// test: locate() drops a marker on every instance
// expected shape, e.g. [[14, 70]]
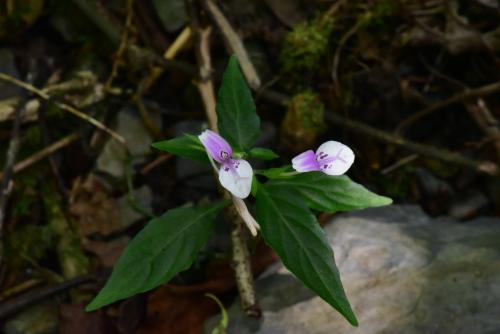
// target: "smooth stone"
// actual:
[[131, 127], [403, 272]]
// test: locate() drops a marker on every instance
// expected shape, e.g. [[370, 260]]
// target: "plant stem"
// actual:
[[240, 254], [241, 264]]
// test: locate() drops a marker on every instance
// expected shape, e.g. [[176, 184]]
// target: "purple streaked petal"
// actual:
[[334, 158], [216, 146], [305, 162], [236, 176]]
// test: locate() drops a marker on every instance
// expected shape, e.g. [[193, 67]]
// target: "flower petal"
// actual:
[[242, 209], [305, 162], [236, 176], [334, 158], [218, 148]]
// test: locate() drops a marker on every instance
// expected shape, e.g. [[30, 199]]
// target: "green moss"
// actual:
[[309, 110], [306, 45], [381, 16], [304, 120]]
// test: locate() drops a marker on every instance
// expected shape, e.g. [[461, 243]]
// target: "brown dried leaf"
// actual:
[[93, 208]]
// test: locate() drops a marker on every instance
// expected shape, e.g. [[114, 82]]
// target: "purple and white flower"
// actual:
[[235, 175], [332, 158]]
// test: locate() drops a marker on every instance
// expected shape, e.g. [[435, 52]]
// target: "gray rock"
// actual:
[[403, 273], [131, 127], [129, 215]]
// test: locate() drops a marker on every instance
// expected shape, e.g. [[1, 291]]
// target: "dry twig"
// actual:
[[66, 107], [486, 122], [340, 46], [486, 167], [42, 154], [6, 184], [145, 85], [235, 44], [460, 97], [118, 59]]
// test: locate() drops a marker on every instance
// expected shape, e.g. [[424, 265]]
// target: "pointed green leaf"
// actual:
[[167, 245], [262, 153], [330, 193], [187, 146], [237, 120], [292, 231]]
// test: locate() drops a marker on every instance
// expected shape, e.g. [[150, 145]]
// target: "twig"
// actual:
[[6, 184], [157, 71], [463, 96], [123, 45], [205, 84], [63, 106], [486, 122], [16, 304], [486, 167], [45, 152], [235, 44], [155, 163], [399, 163], [17, 289], [53, 165], [340, 46], [333, 9], [90, 10], [178, 45]]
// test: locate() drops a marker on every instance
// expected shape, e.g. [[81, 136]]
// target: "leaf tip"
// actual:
[[92, 306], [383, 200]]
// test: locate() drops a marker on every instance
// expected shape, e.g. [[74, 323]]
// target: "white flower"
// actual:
[[331, 158]]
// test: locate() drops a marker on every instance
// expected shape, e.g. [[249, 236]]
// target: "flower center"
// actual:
[[326, 160], [224, 155]]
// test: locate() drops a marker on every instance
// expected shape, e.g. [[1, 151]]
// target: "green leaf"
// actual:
[[292, 231], [278, 172], [187, 146], [167, 245], [330, 193], [262, 153], [237, 120]]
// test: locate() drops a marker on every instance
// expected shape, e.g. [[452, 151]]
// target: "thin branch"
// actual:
[[123, 45], [485, 120], [42, 154], [340, 46], [42, 121], [235, 44], [13, 305], [205, 85], [146, 83], [66, 107], [486, 167], [6, 184], [460, 97]]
